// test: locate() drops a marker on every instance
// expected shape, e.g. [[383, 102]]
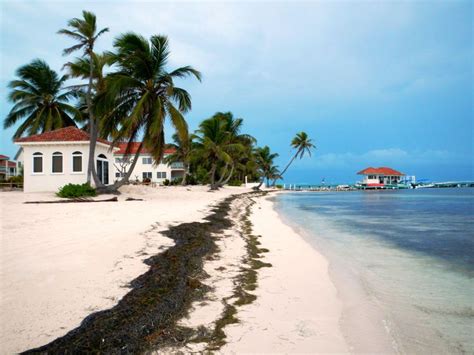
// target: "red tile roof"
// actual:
[[380, 171], [66, 134], [134, 147], [4, 157]]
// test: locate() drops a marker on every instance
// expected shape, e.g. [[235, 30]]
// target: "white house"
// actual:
[[56, 158], [145, 169], [8, 168], [380, 177]]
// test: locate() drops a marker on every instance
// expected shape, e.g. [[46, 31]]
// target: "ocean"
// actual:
[[401, 260]]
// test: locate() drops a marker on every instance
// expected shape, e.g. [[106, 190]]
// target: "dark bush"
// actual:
[[235, 182], [76, 190], [166, 182], [176, 181], [279, 186]]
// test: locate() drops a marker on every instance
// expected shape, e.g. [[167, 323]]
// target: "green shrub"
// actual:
[[191, 180], [76, 190], [202, 176], [166, 182], [176, 181], [235, 182], [279, 186]]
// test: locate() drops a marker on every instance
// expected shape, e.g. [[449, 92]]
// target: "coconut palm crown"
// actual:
[[303, 144], [40, 100], [141, 94]]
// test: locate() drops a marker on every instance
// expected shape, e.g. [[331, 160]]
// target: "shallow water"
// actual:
[[402, 261]]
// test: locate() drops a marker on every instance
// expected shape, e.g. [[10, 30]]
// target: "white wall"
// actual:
[[140, 168], [375, 180], [51, 182]]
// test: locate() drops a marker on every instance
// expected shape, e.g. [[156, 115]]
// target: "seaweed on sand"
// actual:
[[145, 318]]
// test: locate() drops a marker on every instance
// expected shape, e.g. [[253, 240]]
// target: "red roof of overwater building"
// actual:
[[380, 171]]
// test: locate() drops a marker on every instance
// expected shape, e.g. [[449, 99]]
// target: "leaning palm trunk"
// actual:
[[286, 168], [222, 183], [261, 183], [213, 177], [219, 182], [113, 188]]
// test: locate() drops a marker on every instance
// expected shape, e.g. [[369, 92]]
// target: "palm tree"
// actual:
[[303, 144], [264, 159], [84, 31], [40, 99], [234, 126], [181, 155], [272, 174], [141, 94], [80, 68], [214, 145]]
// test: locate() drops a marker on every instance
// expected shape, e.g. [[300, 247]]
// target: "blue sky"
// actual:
[[373, 83]]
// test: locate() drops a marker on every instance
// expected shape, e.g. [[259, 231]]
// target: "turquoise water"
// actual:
[[402, 261]]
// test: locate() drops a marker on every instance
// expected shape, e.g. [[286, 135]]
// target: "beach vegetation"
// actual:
[[76, 190], [128, 94]]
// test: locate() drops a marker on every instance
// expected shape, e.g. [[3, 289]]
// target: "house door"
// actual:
[[103, 169]]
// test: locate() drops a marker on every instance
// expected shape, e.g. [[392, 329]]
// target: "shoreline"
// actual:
[[254, 278], [362, 322], [297, 308]]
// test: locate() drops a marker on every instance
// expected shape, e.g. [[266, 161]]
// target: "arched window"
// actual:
[[37, 163], [77, 162], [57, 165]]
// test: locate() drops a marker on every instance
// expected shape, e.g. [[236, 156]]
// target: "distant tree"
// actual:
[[85, 32], [264, 159], [234, 127], [303, 144], [214, 144], [41, 100], [181, 155]]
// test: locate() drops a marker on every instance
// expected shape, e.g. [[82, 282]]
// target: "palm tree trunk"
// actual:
[[219, 182], [126, 178], [183, 182], [93, 131], [228, 177], [213, 176], [261, 183]]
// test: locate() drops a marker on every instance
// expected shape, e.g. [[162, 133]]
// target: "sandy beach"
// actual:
[[62, 262]]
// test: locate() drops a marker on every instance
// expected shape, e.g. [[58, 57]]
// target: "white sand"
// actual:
[[297, 309], [61, 262]]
